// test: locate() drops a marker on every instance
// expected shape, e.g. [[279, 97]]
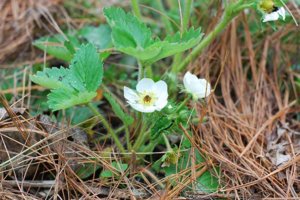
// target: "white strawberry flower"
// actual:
[[149, 96], [273, 16], [199, 88]]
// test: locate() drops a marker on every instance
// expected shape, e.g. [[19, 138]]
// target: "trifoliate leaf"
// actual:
[[55, 46], [76, 85], [64, 98], [127, 119], [87, 67], [127, 30], [132, 37]]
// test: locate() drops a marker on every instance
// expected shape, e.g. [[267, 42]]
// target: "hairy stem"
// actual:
[[141, 71], [141, 137], [164, 17], [127, 135], [186, 14], [136, 9]]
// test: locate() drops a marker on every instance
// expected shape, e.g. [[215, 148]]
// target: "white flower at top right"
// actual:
[[199, 88], [273, 16]]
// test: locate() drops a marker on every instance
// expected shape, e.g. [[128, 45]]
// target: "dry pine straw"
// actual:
[[248, 110], [19, 20], [249, 104]]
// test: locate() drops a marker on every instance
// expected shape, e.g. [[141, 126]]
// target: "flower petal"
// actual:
[[271, 17], [130, 95], [160, 104], [145, 84], [203, 89], [161, 90], [199, 88], [281, 12], [189, 81], [142, 108]]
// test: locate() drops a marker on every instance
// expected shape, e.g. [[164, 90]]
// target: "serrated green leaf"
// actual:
[[142, 54], [127, 30], [64, 98], [99, 36], [176, 44], [132, 37], [76, 85], [127, 119], [55, 46], [87, 67], [52, 78]]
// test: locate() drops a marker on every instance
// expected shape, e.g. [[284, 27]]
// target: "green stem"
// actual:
[[127, 135], [186, 18], [230, 12], [106, 137], [186, 15], [149, 72], [169, 148], [136, 9], [107, 126], [183, 104], [141, 71], [150, 147], [166, 21], [140, 139]]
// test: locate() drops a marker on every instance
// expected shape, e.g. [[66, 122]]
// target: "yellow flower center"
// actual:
[[147, 99]]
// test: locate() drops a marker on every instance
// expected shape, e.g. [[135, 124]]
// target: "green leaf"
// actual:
[[64, 98], [176, 44], [55, 46], [87, 67], [208, 182], [52, 78], [161, 125], [142, 54], [127, 119], [75, 119], [87, 170], [70, 47], [76, 85], [119, 167], [99, 36], [132, 37], [127, 30], [106, 174]]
